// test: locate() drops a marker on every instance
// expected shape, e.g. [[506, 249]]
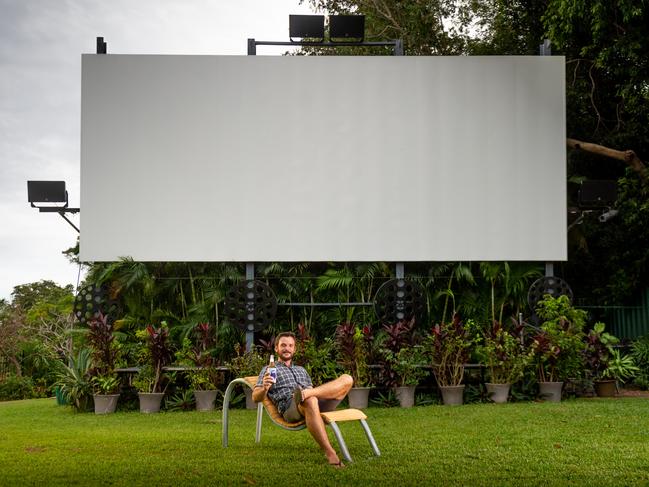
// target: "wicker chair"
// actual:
[[330, 418]]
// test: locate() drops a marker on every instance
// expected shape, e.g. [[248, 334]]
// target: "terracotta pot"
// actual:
[[358, 397], [406, 396], [452, 395], [205, 400], [105, 403], [550, 391], [498, 393], [605, 388], [150, 401]]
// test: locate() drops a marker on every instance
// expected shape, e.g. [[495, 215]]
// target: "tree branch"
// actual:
[[629, 157]]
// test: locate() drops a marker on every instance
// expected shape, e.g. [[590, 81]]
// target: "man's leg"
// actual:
[[316, 427], [335, 389]]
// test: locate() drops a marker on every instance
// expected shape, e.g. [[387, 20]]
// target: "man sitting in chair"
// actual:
[[295, 397]]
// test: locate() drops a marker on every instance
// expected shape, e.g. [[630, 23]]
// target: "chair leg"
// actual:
[[260, 415], [370, 438], [226, 409], [341, 441]]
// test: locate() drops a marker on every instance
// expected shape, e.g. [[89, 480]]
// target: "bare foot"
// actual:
[[334, 461]]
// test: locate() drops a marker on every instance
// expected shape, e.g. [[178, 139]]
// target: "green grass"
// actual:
[[588, 441]]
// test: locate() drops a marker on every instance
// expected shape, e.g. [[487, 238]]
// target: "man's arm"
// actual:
[[259, 392]]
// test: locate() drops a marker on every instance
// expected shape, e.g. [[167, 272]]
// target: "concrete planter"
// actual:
[[205, 400], [452, 395], [105, 403], [358, 397], [550, 391], [498, 393], [150, 401], [406, 396]]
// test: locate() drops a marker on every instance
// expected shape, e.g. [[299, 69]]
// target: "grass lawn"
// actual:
[[577, 442]]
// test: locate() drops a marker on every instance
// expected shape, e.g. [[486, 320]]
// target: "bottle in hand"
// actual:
[[272, 370]]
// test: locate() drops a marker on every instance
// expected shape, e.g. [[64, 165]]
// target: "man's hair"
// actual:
[[283, 334]]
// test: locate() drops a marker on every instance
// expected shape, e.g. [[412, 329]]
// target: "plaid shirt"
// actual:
[[288, 378]]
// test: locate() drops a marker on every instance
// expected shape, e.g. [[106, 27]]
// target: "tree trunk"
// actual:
[[629, 157]]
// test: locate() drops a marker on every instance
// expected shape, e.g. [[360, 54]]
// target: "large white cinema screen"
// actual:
[[250, 159]]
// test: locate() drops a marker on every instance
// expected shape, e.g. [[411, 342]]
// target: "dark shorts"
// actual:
[[293, 415]]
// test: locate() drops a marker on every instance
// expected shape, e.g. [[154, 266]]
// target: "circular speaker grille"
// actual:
[[92, 300], [554, 286], [400, 299], [250, 305]]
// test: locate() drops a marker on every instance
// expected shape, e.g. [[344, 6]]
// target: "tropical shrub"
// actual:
[[407, 365], [154, 355], [504, 354], [354, 344], [598, 351], [449, 346], [74, 380], [558, 347], [640, 353], [392, 338], [14, 387]]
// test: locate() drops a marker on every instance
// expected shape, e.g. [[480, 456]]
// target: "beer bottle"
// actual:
[[272, 370]]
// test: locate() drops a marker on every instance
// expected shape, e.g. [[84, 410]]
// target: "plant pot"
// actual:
[[452, 395], [205, 400], [498, 393], [550, 391], [605, 388], [358, 397], [406, 396], [105, 403], [150, 401], [250, 404]]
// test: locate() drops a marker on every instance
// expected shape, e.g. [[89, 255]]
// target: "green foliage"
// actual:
[[640, 354], [504, 355], [74, 380], [407, 364], [181, 401], [598, 350], [353, 344], [105, 384], [246, 364], [13, 387], [620, 367], [449, 347], [558, 347], [318, 359]]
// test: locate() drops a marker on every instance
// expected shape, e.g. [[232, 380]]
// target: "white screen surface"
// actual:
[[252, 159]]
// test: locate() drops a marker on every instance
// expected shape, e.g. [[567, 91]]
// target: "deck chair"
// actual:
[[330, 418]]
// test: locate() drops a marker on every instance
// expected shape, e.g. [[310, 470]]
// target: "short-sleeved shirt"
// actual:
[[288, 378]]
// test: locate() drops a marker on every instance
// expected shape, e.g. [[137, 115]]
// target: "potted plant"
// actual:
[[74, 380], [353, 351], [558, 347], [151, 381], [620, 367], [506, 359], [203, 376], [106, 393], [105, 353], [597, 353], [449, 346], [407, 365], [246, 364]]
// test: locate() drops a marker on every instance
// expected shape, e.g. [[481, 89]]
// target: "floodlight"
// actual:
[[46, 192], [49, 193], [343, 28], [306, 26]]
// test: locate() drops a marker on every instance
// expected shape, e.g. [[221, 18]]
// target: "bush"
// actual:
[[14, 387]]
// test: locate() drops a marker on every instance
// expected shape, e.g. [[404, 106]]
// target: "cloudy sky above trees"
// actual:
[[41, 42]]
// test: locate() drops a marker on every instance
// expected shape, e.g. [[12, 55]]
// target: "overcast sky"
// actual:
[[41, 42]]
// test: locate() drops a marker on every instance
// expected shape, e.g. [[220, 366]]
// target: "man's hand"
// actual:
[[267, 381]]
